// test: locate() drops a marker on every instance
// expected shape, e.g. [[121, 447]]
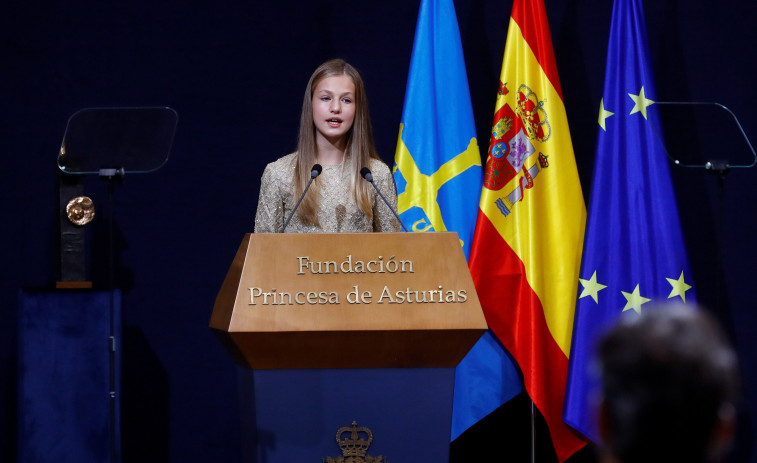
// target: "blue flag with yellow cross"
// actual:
[[634, 254], [439, 179]]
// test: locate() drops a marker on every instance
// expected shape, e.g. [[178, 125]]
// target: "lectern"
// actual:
[[340, 328]]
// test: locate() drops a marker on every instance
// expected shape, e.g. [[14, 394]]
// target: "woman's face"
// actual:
[[334, 108]]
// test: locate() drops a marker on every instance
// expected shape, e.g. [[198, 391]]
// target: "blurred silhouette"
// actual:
[[669, 382]]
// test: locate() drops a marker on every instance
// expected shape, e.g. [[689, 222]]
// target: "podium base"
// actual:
[[65, 412], [294, 415]]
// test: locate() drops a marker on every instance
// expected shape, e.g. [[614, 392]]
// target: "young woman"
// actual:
[[335, 132]]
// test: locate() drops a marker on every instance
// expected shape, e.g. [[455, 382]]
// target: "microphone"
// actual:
[[314, 172], [366, 173]]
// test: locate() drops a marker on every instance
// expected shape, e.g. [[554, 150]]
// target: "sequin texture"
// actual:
[[337, 210]]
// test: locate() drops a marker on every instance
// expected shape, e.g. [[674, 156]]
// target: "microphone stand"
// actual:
[[366, 173], [314, 172]]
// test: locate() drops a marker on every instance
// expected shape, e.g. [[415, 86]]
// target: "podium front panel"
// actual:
[[349, 301]]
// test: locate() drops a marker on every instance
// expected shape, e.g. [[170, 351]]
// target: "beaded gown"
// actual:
[[337, 210]]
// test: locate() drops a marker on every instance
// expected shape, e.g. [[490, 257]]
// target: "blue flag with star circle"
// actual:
[[634, 255]]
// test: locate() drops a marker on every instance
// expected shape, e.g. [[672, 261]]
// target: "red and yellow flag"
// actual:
[[526, 251]]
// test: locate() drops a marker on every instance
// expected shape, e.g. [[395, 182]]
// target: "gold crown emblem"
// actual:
[[354, 441], [532, 114], [354, 445]]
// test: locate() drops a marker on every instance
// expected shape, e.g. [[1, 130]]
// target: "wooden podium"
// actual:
[[337, 328]]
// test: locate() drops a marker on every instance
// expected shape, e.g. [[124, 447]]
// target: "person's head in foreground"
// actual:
[[669, 383]]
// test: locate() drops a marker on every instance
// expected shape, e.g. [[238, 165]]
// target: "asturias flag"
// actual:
[[438, 175], [634, 251], [526, 250]]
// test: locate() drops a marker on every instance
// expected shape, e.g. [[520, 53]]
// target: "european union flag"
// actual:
[[634, 252], [439, 178]]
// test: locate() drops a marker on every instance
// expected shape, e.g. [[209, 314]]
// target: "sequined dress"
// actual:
[[337, 210]]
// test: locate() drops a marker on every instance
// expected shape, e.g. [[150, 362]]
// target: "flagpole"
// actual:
[[533, 435]]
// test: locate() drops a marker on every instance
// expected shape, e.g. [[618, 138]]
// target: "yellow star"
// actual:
[[679, 287], [634, 300], [603, 114], [591, 287], [640, 103]]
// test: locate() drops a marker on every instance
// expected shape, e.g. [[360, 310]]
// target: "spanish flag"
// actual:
[[526, 250]]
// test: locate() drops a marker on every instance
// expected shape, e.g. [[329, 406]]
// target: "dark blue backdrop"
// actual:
[[235, 72]]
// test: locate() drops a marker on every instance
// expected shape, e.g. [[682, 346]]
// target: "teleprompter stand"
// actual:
[[706, 136], [108, 143]]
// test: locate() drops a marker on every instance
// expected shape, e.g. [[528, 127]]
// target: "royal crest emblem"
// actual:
[[512, 148], [354, 442], [498, 171]]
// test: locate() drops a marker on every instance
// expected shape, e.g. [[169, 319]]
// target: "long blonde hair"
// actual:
[[358, 150]]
